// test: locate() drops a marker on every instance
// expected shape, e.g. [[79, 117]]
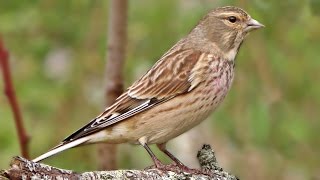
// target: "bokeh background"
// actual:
[[267, 128]]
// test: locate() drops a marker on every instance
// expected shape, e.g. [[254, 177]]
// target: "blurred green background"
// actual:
[[267, 128]]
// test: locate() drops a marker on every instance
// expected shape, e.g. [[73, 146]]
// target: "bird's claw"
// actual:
[[179, 168]]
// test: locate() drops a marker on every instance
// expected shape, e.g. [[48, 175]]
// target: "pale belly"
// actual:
[[170, 122], [179, 116]]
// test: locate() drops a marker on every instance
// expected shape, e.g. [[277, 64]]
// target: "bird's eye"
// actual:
[[232, 19]]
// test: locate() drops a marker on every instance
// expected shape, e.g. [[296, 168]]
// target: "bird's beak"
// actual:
[[252, 25]]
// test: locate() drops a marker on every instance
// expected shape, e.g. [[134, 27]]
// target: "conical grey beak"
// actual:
[[253, 24]]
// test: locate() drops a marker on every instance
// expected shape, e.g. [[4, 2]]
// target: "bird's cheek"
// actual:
[[245, 34], [242, 33]]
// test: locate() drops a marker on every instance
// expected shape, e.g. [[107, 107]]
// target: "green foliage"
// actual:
[[272, 108]]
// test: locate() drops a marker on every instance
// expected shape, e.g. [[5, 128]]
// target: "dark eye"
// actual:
[[232, 19]]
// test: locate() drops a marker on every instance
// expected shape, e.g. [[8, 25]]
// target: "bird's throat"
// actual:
[[231, 55]]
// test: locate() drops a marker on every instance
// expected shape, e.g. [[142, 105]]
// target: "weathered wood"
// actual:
[[21, 168]]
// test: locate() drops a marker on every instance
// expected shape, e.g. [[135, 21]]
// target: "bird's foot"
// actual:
[[163, 167], [177, 168], [183, 168]]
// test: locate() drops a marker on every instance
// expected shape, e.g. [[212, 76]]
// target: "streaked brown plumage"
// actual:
[[178, 92]]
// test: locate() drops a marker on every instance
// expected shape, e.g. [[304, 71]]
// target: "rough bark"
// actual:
[[117, 38], [24, 169]]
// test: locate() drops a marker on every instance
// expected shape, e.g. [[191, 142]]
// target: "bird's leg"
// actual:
[[155, 160], [183, 167], [158, 164], [163, 148]]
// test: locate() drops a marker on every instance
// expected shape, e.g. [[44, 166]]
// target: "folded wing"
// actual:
[[169, 77]]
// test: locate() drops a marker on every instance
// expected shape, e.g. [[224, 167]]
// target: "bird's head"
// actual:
[[226, 27]]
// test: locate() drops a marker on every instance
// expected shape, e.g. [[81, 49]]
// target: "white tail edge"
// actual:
[[61, 148]]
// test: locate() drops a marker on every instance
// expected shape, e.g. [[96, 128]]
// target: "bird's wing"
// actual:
[[172, 75]]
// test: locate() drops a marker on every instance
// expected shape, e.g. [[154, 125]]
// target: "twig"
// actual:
[[11, 95], [24, 169]]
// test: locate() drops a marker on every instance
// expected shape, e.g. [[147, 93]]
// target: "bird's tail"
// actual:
[[61, 147]]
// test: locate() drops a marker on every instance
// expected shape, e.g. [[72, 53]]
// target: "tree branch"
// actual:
[[24, 169], [11, 95], [117, 40]]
